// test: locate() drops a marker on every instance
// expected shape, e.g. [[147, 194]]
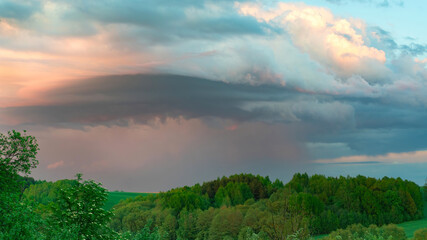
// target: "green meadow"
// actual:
[[115, 197]]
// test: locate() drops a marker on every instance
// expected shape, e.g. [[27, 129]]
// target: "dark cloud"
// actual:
[[118, 99], [364, 125], [115, 99], [157, 21], [390, 117], [176, 20], [377, 141]]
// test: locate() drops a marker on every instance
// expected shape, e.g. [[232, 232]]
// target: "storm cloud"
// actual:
[[183, 88], [120, 99], [123, 100]]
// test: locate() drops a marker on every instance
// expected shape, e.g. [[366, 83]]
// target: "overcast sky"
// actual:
[[148, 95]]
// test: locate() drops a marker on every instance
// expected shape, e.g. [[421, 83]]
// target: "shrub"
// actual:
[[359, 232], [420, 234]]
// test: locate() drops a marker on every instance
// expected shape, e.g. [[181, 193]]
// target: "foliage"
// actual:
[[425, 190], [226, 223], [359, 232], [46, 192], [184, 198], [17, 155], [306, 205], [286, 216], [148, 232], [26, 182], [349, 200], [247, 233], [217, 223], [80, 206], [17, 220], [420, 234], [18, 152], [260, 187]]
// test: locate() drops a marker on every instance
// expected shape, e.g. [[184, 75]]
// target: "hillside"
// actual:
[[315, 203], [255, 205]]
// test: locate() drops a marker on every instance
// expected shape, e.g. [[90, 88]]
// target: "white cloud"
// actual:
[[337, 43]]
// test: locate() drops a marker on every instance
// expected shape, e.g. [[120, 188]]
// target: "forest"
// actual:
[[241, 206]]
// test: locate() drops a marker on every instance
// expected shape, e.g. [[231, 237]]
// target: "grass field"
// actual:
[[115, 197]]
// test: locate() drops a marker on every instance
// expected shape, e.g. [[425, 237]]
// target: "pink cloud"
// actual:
[[55, 165], [31, 63], [232, 127], [397, 158]]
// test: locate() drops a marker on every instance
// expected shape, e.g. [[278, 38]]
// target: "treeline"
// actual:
[[271, 218], [321, 204], [349, 200], [317, 204], [44, 193], [225, 191], [245, 204]]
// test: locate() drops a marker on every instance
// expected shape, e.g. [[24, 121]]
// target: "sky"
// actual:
[[149, 95]]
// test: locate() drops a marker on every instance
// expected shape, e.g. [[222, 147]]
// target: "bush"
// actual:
[[420, 234], [359, 232]]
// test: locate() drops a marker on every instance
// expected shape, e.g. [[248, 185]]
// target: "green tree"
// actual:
[[204, 222], [284, 217], [18, 152], [247, 233], [226, 223], [150, 233], [80, 207], [187, 225], [17, 156], [222, 198], [17, 219]]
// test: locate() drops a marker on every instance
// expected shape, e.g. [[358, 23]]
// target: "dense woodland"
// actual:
[[244, 202], [240, 207]]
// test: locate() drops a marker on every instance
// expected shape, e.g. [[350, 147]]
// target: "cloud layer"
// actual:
[[221, 86]]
